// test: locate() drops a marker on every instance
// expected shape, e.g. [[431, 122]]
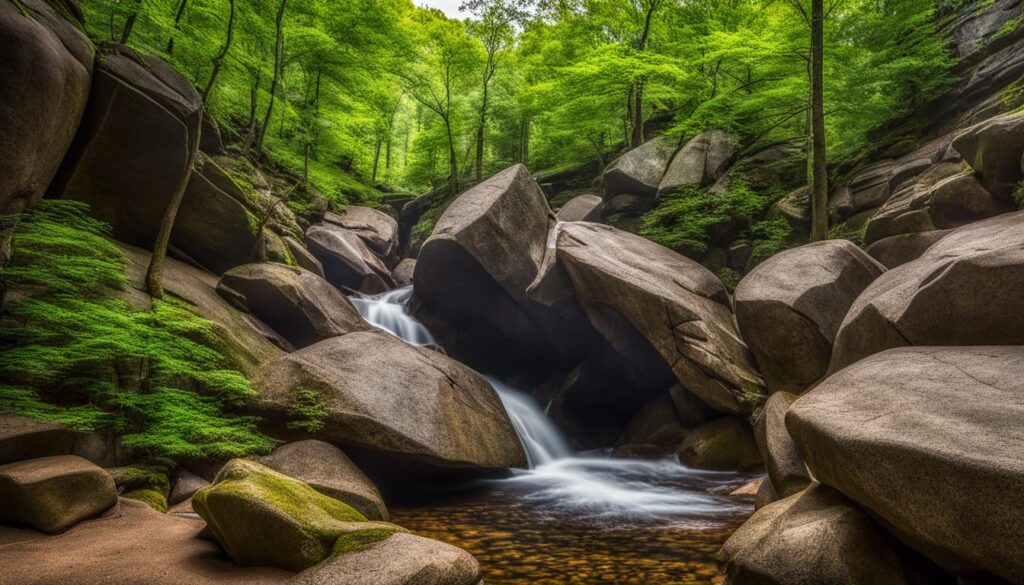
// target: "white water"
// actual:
[[602, 487]]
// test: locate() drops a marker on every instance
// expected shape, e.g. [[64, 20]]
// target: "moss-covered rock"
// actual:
[[148, 496], [133, 477], [723, 444], [262, 517], [52, 494]]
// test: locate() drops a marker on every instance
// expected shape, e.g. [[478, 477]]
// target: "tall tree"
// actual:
[[278, 70], [218, 59], [647, 8], [178, 14], [819, 173]]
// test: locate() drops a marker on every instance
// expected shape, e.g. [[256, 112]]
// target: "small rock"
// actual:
[[725, 444]]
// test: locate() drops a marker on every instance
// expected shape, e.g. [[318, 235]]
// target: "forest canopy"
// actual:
[[364, 95]]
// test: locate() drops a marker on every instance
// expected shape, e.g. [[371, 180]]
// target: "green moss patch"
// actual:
[[151, 498]]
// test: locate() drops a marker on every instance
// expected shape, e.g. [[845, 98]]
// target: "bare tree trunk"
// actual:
[[155, 272], [219, 59], [453, 168], [129, 24], [819, 184], [376, 160], [637, 138], [279, 24], [178, 14]]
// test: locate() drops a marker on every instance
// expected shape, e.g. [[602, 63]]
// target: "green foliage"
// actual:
[[771, 236], [150, 497], [306, 411], [74, 351]]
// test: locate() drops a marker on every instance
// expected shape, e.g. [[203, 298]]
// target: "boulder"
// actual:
[[303, 257], [870, 188], [403, 273], [765, 495], [700, 162], [656, 424], [298, 304], [130, 153], [725, 444], [26, 438], [582, 208], [400, 559], [639, 171], [994, 149], [210, 139], [186, 484], [929, 440], [909, 208], [790, 306], [326, 469], [898, 250], [626, 204], [44, 80], [52, 494], [378, 229], [961, 199], [472, 274], [817, 537], [962, 291], [130, 545], [264, 518], [348, 263], [380, 393], [638, 295], [786, 469]]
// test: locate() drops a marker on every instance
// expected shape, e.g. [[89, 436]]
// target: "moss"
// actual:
[[150, 497], [351, 542], [135, 477], [306, 410]]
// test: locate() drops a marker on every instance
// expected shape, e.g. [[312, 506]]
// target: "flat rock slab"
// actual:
[[52, 494], [130, 545]]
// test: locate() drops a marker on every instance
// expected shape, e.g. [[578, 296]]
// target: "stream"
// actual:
[[573, 517]]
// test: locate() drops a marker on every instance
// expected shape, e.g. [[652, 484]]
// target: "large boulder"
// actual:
[[403, 272], [786, 468], [52, 494], [472, 274], [400, 559], [656, 424], [132, 149], [908, 210], [44, 80], [380, 393], [700, 162], [898, 250], [264, 518], [378, 229], [348, 263], [725, 444], [635, 292], [790, 306], [817, 537], [298, 304], [132, 545], [186, 484], [303, 257], [994, 148], [26, 438], [929, 440], [587, 207], [327, 470], [639, 171], [962, 291]]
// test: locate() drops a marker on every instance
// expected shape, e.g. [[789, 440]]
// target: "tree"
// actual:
[[819, 178], [278, 69], [218, 60]]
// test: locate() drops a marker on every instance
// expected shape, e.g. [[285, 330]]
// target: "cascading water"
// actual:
[[606, 489]]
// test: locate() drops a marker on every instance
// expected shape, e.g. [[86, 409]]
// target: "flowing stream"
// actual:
[[574, 517]]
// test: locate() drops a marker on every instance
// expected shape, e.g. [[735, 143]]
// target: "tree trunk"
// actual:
[[819, 183], [129, 24], [155, 272], [376, 160], [453, 169], [637, 137], [278, 23], [178, 14], [219, 59]]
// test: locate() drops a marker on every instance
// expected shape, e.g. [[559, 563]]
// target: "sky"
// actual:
[[450, 7]]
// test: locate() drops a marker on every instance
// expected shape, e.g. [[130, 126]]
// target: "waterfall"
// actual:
[[542, 442]]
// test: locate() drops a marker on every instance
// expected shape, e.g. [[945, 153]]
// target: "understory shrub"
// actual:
[[73, 350]]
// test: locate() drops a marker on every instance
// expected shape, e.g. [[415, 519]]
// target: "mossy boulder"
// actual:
[[151, 497], [52, 494], [262, 517], [724, 444]]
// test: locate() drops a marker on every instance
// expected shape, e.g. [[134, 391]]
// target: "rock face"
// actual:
[[700, 162], [403, 273], [401, 559], [52, 494], [786, 469], [725, 444], [582, 208], [303, 257], [881, 431], [817, 537], [639, 171], [789, 308], [186, 484], [383, 394], [994, 148], [127, 159], [133, 542], [326, 469], [348, 263], [631, 287], [298, 304], [472, 274], [378, 229], [656, 425], [25, 438], [44, 78], [264, 518], [962, 291]]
